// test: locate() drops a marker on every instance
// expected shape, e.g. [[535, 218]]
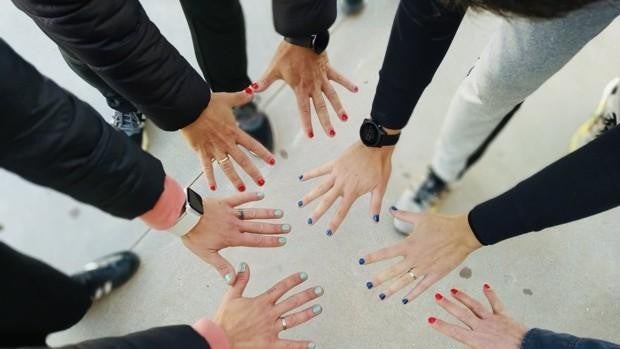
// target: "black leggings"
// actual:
[[36, 300], [218, 35]]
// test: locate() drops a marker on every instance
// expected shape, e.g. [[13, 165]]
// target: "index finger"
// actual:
[[382, 254], [254, 146], [282, 287]]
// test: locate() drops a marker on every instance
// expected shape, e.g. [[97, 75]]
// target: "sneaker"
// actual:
[[132, 124], [255, 123], [352, 7], [425, 197], [108, 273], [604, 118]]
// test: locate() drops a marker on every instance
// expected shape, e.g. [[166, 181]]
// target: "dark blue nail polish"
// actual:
[[393, 208], [309, 221], [405, 301], [362, 261], [382, 296], [375, 218], [329, 232], [301, 177], [300, 203], [369, 285]]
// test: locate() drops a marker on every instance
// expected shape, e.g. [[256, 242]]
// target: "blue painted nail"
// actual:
[[405, 301], [309, 221], [300, 203], [362, 261], [382, 296], [393, 208], [375, 218], [329, 232], [301, 177], [317, 309], [369, 285]]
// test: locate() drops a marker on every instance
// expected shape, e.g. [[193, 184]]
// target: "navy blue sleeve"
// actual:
[[543, 339]]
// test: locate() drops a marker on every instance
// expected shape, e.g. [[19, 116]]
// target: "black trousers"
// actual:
[[36, 300], [218, 34]]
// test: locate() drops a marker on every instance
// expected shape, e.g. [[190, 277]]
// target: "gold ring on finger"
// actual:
[[284, 324], [224, 160], [410, 273]]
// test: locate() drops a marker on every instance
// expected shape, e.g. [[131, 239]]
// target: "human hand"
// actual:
[[437, 245], [223, 225], [216, 137], [256, 322], [484, 329], [309, 75], [359, 170]]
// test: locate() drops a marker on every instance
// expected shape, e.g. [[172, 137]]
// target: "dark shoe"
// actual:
[[352, 7], [132, 124], [255, 123], [108, 273]]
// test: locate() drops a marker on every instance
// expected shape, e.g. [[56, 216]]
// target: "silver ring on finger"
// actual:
[[411, 274], [284, 324]]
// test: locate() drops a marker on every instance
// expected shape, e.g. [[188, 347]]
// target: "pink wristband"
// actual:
[[212, 333], [167, 210]]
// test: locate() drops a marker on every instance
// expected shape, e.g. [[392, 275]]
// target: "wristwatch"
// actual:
[[373, 135], [191, 212], [316, 42]]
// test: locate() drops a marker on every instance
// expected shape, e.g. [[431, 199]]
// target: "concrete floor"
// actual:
[[565, 278]]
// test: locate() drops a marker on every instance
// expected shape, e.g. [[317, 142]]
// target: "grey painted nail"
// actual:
[[317, 309], [303, 276], [260, 195], [228, 278], [312, 345], [318, 290], [282, 241], [278, 213], [243, 266], [286, 227]]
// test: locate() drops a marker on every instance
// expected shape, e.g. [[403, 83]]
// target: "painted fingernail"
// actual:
[[254, 85], [438, 296], [431, 320], [300, 203], [261, 182], [487, 286], [375, 218], [310, 134], [362, 261], [344, 117], [332, 133], [301, 177], [286, 228], [356, 89], [248, 90], [329, 232], [241, 187], [454, 291], [382, 296], [318, 290], [260, 195], [317, 309], [228, 278], [309, 221], [312, 346], [212, 187], [278, 213], [405, 301], [243, 266], [303, 276], [282, 241], [271, 161], [369, 285], [393, 208]]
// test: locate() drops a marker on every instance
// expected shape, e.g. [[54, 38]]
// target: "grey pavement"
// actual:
[[565, 278]]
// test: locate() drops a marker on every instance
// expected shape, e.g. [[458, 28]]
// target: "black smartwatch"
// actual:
[[373, 135], [316, 42]]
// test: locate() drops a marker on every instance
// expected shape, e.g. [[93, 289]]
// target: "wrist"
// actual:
[[212, 333], [469, 238], [168, 207]]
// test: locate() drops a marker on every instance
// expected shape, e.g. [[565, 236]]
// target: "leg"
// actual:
[[36, 300], [522, 56]]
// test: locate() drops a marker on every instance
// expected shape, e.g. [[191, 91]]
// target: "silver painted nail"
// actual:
[[260, 195], [318, 290], [303, 276], [282, 241], [243, 266], [278, 213], [317, 309], [312, 345], [228, 278], [286, 228]]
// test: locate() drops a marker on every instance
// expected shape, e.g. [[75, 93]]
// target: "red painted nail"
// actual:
[[344, 117], [248, 90], [254, 85], [438, 296], [271, 161], [486, 286], [212, 187], [241, 187], [431, 320], [355, 89], [332, 133], [454, 291], [261, 182], [310, 134]]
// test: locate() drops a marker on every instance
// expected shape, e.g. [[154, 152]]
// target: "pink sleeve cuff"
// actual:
[[212, 333], [167, 210]]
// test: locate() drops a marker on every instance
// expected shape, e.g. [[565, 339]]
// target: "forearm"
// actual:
[[537, 338], [300, 18], [578, 185], [421, 35], [116, 39]]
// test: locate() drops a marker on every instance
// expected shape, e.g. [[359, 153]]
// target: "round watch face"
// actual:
[[369, 133]]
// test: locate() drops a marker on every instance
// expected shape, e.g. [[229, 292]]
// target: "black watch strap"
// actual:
[[316, 42], [305, 41], [387, 139]]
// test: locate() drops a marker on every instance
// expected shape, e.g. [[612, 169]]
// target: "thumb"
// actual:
[[237, 99], [409, 217], [226, 270], [268, 78], [243, 277]]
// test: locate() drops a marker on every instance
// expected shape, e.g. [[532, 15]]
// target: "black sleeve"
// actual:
[[581, 184], [116, 39], [542, 339], [156, 338], [298, 18], [421, 35], [51, 138]]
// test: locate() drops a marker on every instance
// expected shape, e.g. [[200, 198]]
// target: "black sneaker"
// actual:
[[425, 197], [352, 7], [107, 273], [132, 124], [255, 123]]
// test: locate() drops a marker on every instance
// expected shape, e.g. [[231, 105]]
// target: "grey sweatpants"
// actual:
[[520, 57]]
